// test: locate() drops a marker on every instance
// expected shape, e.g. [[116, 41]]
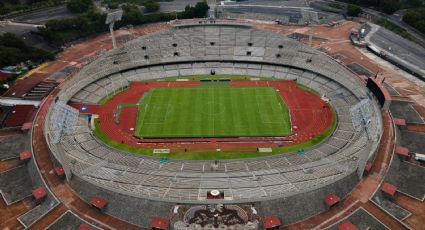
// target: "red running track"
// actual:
[[310, 116]]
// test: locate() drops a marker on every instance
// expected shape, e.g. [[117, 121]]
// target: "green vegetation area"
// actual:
[[416, 18], [398, 30], [353, 10], [212, 111], [79, 6], [90, 22], [386, 6], [336, 5], [150, 5], [13, 51], [9, 6], [179, 153]]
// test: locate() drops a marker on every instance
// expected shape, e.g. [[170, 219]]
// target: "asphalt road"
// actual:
[[176, 5], [41, 17], [396, 19], [264, 10], [402, 48], [16, 29], [285, 3]]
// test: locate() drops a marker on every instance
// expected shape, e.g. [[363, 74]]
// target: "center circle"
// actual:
[[214, 108]]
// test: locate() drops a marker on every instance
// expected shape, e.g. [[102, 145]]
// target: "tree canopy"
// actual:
[[62, 31], [353, 10], [151, 6], [416, 18], [386, 6], [13, 51], [79, 6]]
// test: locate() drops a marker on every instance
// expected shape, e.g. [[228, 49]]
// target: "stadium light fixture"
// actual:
[[111, 18]]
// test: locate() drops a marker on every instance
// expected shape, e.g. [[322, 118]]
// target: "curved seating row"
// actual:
[[227, 50]]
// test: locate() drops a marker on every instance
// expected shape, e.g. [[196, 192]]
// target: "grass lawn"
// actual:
[[212, 111]]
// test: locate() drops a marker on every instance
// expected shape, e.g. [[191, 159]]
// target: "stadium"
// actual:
[[215, 123], [189, 87]]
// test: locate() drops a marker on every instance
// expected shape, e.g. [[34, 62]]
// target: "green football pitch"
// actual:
[[212, 111]]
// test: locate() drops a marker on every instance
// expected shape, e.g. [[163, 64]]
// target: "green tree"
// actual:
[[132, 15], [62, 31], [200, 10], [353, 10], [79, 6], [411, 3], [13, 51], [390, 6], [416, 18], [113, 5], [151, 6]]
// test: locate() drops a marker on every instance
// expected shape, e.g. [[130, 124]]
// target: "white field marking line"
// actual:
[[144, 112], [213, 120], [151, 123], [261, 117], [169, 105]]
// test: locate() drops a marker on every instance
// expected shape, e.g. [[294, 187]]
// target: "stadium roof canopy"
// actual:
[[39, 193], [84, 227], [271, 222], [25, 155], [159, 223], [388, 188], [400, 150], [98, 202], [331, 199], [399, 121], [347, 225]]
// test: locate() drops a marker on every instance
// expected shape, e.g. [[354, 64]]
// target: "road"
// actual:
[[280, 3], [396, 20], [392, 18], [400, 47], [176, 5], [18, 29]]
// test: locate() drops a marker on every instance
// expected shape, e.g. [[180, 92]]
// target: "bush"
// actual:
[[62, 31], [113, 5], [416, 19], [13, 51], [79, 6], [353, 10], [151, 6], [199, 11]]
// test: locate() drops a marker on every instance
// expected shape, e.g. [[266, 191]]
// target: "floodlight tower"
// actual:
[[312, 17], [310, 37], [111, 19], [212, 5]]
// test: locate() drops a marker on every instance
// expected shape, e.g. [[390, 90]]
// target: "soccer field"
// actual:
[[212, 111]]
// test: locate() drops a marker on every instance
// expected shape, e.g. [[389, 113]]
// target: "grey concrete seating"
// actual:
[[12, 146], [15, 184]]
